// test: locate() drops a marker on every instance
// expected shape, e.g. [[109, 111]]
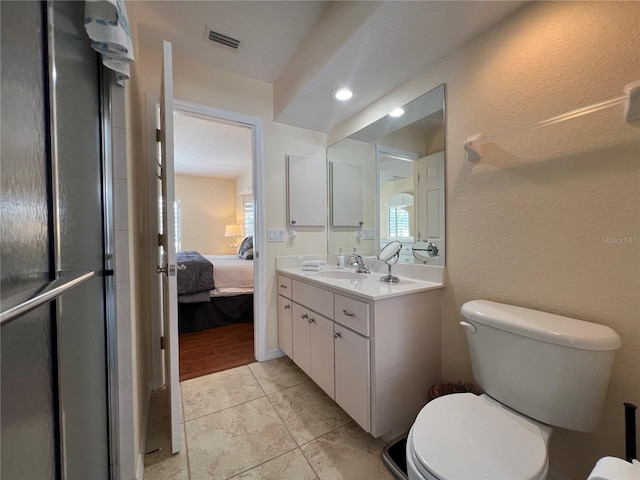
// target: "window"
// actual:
[[177, 218], [249, 217], [399, 215], [398, 222]]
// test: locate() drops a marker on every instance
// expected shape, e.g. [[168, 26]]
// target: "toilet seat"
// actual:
[[465, 436]]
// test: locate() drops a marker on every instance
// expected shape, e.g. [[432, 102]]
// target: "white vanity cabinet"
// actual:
[[313, 346], [285, 333], [376, 357], [352, 386]]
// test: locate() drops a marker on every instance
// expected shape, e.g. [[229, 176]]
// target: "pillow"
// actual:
[[246, 244]]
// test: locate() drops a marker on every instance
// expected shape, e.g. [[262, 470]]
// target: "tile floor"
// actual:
[[265, 421]]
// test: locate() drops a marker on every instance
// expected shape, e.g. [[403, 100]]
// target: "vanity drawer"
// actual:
[[284, 286], [352, 314], [314, 298]]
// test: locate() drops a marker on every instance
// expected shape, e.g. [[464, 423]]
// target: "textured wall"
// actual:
[[540, 220]]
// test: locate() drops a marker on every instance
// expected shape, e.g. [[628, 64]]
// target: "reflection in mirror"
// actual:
[[397, 167], [425, 252], [345, 195]]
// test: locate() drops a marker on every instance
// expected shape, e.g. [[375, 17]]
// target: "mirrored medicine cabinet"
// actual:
[[386, 182]]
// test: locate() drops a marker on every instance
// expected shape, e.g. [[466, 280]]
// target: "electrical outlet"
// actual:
[[275, 234]]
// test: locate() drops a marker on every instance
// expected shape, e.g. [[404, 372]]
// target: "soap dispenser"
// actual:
[[340, 259]]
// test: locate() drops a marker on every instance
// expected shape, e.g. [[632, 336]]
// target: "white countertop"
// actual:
[[367, 286]]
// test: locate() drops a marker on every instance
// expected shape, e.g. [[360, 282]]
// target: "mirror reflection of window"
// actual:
[[399, 215], [398, 222]]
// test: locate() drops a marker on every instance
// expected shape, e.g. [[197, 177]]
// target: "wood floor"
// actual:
[[215, 349]]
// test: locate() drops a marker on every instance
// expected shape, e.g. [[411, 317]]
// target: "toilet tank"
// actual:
[[551, 368]]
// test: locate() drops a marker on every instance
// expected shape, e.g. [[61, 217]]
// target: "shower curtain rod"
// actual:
[[631, 100]]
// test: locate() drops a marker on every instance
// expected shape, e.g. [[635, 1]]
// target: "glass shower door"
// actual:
[[55, 413], [29, 445]]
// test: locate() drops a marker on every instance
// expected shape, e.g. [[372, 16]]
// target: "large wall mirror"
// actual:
[[396, 167]]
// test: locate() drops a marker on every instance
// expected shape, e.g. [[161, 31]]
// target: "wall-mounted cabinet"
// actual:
[[346, 195], [306, 192]]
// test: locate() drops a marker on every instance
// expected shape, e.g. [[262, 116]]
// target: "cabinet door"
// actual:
[[285, 338], [321, 350], [301, 336], [306, 191], [346, 195], [352, 375]]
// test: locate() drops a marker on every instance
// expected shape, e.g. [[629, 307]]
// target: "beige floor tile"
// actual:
[[175, 467], [211, 393], [290, 466], [347, 453], [278, 374], [231, 441], [307, 411]]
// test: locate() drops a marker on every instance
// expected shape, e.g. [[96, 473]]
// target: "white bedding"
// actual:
[[231, 275]]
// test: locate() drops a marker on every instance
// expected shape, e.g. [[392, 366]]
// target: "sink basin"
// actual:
[[343, 275]]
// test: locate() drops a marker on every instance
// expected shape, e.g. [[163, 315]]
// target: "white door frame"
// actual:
[[259, 288]]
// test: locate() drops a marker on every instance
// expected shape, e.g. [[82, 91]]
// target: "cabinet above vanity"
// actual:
[[306, 194], [373, 348]]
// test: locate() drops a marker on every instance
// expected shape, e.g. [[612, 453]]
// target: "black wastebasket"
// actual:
[[395, 457]]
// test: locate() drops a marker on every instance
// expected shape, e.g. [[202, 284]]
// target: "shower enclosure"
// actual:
[[59, 391]]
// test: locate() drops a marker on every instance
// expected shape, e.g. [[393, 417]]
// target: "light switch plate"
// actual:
[[275, 234], [367, 233]]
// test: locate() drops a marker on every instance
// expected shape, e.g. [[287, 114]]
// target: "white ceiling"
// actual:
[[270, 31], [209, 148], [288, 44]]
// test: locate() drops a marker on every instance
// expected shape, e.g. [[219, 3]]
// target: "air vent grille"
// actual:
[[223, 40]]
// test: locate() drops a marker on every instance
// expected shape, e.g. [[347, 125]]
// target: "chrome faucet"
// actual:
[[356, 261]]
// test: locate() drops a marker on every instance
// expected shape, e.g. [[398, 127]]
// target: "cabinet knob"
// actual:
[[312, 320], [348, 314], [293, 222], [337, 335], [283, 286], [304, 315], [360, 223], [287, 306]]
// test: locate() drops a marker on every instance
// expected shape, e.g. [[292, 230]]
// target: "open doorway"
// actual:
[[215, 224], [222, 117]]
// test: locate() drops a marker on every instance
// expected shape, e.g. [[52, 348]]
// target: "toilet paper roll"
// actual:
[[612, 468]]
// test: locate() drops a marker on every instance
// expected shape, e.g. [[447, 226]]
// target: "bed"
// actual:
[[230, 300]]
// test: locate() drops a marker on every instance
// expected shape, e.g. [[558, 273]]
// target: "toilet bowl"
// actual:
[[538, 370], [465, 436]]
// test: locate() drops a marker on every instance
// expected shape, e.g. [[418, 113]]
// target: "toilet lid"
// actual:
[[464, 436]]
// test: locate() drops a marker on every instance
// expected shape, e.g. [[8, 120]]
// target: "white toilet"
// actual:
[[537, 370]]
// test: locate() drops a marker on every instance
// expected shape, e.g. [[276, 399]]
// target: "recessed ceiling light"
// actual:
[[341, 94], [396, 112]]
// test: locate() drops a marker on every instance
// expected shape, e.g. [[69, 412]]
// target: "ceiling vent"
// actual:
[[221, 39]]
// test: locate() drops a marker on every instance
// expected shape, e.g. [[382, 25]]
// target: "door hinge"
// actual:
[[160, 239], [158, 135], [161, 343]]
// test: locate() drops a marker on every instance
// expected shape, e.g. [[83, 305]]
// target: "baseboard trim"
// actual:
[[274, 353], [140, 472], [145, 426]]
